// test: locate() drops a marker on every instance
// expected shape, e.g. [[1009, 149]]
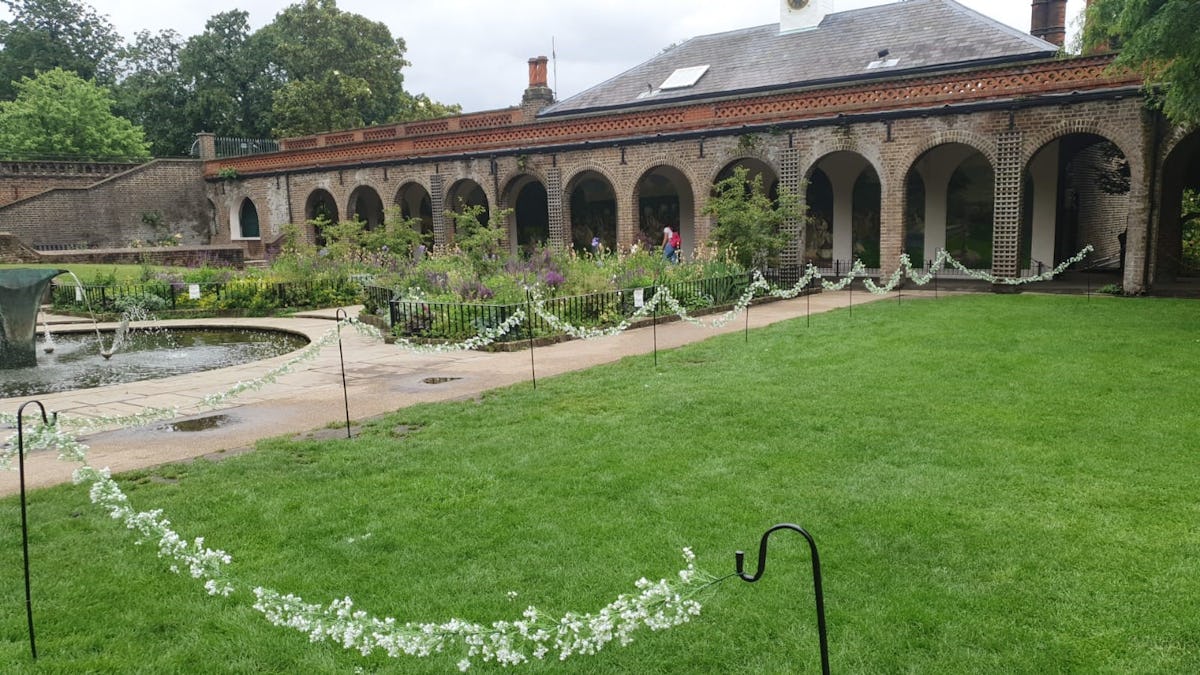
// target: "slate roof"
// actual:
[[920, 35]]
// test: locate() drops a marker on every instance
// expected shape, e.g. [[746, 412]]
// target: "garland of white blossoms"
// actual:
[[905, 268], [656, 606]]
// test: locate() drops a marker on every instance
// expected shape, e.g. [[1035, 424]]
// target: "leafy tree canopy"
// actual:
[[342, 70], [60, 114], [151, 92], [1158, 38], [47, 34], [229, 77]]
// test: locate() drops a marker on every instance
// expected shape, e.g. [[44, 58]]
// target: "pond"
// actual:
[[76, 362]]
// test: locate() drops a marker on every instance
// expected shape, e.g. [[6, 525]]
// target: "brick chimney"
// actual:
[[538, 95], [1049, 21]]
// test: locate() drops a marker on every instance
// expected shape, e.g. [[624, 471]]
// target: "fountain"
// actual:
[[21, 292]]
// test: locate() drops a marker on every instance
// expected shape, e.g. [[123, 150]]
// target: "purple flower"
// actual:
[[553, 279]]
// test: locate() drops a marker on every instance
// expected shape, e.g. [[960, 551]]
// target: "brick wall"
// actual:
[[21, 180], [111, 212]]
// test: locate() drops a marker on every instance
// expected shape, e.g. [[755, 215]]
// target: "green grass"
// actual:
[[88, 273], [996, 483]]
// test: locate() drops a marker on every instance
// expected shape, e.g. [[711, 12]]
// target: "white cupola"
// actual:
[[797, 15]]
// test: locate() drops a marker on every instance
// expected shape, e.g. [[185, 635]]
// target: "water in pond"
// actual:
[[75, 361]]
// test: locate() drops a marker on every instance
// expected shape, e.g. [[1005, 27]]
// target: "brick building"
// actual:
[[906, 127]]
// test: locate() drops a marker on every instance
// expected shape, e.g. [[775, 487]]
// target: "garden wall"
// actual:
[[21, 180], [118, 210]]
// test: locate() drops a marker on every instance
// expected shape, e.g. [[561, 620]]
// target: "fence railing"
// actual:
[[246, 294], [456, 321], [238, 147]]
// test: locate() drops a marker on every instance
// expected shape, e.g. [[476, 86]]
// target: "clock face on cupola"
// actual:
[[802, 14]]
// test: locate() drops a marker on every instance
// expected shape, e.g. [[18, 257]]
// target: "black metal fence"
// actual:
[[457, 321], [252, 295]]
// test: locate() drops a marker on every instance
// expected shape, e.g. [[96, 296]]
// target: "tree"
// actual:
[[230, 78], [59, 114], [47, 34], [749, 222], [153, 95], [1157, 38], [341, 70]]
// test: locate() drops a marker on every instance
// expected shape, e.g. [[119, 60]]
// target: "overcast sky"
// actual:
[[476, 52]]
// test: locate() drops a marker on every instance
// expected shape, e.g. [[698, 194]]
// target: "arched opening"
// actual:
[[950, 191], [465, 194], [843, 197], [593, 212], [818, 237], [664, 198], [530, 220], [366, 205], [245, 221], [415, 204], [1077, 193], [1178, 250], [754, 168], [320, 206]]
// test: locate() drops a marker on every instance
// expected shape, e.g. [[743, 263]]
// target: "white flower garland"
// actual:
[[657, 606], [905, 268]]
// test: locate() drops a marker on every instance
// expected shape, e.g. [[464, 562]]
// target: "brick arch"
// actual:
[[822, 148], [354, 188], [1178, 135], [569, 179], [1080, 126], [663, 159], [727, 158], [979, 142], [511, 177], [406, 181]]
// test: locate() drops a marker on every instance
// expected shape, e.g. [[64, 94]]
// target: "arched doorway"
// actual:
[[593, 211], [950, 193], [415, 205], [664, 198], [320, 206], [244, 223], [530, 221], [1178, 249], [466, 194], [366, 205], [1077, 194], [843, 197]]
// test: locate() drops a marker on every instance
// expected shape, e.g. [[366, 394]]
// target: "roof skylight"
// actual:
[[683, 78]]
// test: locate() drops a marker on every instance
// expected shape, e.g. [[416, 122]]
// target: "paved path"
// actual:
[[380, 378]]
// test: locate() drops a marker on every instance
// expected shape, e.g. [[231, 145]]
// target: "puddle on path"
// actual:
[[196, 424], [439, 380]]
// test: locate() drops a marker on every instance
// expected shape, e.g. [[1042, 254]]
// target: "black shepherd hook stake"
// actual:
[[529, 332], [341, 315], [740, 557], [24, 518]]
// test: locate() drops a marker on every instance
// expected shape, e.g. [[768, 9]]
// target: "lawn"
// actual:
[[996, 483], [90, 273]]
